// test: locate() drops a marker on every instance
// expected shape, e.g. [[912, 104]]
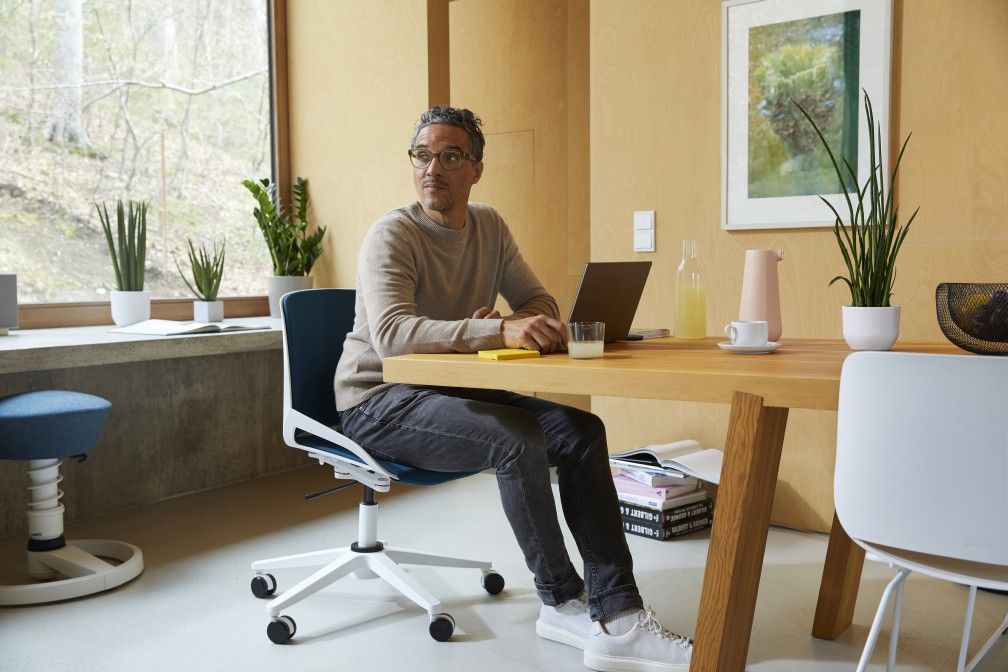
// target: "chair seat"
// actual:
[[404, 473], [50, 424], [966, 572]]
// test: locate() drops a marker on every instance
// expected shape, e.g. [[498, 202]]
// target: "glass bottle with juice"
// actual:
[[691, 296]]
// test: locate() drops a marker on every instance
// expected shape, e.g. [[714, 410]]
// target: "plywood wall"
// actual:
[[655, 144], [522, 67], [358, 81], [594, 110]]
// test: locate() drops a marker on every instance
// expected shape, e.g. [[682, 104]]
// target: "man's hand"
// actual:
[[534, 333], [486, 313]]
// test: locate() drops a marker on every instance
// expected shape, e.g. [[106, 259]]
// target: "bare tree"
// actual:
[[199, 48], [68, 66], [33, 65]]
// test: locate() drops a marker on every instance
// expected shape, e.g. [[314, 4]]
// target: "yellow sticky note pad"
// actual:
[[508, 353]]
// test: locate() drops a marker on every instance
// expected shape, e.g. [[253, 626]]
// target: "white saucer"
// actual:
[[749, 349]]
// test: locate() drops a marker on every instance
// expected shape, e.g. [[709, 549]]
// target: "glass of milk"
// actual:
[[586, 339]]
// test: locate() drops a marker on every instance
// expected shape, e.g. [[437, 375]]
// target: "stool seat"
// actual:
[[50, 424]]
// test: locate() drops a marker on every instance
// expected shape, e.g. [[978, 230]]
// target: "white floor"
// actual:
[[191, 609]]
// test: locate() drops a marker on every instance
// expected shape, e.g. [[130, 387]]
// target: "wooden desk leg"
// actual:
[[839, 588], [738, 538]]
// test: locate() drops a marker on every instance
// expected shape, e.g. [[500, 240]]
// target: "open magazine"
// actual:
[[176, 328], [683, 458]]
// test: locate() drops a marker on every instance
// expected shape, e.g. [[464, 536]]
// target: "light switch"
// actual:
[[644, 230]]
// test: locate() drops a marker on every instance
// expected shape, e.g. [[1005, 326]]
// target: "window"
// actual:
[[165, 101]]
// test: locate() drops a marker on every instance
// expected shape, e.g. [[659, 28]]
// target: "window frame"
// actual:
[[86, 313]]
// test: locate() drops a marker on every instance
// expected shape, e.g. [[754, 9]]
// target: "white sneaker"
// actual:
[[646, 647], [568, 624]]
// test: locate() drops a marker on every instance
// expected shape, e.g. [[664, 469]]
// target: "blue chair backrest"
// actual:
[[316, 322]]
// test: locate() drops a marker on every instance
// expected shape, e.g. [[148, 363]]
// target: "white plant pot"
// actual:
[[866, 328], [129, 307], [208, 311], [278, 285]]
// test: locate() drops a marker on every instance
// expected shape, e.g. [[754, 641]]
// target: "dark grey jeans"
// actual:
[[458, 429]]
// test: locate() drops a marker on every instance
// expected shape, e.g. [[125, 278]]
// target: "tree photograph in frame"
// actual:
[[822, 55]]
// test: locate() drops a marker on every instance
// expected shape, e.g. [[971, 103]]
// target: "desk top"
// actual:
[[802, 373]]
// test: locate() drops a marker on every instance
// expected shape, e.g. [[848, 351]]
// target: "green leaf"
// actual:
[[871, 242], [293, 250]]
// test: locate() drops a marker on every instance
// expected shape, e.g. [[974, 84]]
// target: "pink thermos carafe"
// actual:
[[760, 290]]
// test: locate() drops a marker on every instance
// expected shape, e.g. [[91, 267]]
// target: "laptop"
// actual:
[[609, 292]]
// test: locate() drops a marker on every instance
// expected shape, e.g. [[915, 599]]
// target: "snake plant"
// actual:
[[873, 239], [131, 241]]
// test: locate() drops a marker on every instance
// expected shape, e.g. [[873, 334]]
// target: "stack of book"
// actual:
[[661, 506]]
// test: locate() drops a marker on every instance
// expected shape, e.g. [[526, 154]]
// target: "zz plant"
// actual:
[[293, 251], [207, 269], [874, 238], [129, 250]]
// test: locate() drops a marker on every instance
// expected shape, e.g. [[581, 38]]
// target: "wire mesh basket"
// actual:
[[974, 315]]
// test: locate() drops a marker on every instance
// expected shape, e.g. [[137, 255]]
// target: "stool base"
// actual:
[[86, 572]]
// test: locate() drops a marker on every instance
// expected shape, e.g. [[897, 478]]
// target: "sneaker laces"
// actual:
[[647, 620]]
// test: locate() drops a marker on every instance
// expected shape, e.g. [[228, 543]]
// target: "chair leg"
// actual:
[[406, 556], [999, 633], [332, 572], [312, 559], [394, 575], [877, 623], [967, 626], [894, 629]]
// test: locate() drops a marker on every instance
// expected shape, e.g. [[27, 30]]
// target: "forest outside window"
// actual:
[[164, 101]]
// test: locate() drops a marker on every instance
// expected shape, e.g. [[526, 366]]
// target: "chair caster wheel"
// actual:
[[493, 582], [280, 630], [441, 627], [263, 585]]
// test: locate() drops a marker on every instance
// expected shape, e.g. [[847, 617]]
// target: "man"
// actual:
[[428, 275]]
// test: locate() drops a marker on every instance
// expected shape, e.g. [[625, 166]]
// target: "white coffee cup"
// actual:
[[743, 332]]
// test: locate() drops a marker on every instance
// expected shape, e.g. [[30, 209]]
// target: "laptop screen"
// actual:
[[610, 292]]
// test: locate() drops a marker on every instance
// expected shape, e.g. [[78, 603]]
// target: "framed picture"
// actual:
[[822, 54]]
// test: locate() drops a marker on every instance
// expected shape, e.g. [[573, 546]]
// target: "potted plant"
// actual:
[[293, 250], [207, 270], [129, 302], [871, 242]]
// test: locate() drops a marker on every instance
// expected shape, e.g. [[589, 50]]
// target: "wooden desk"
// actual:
[[760, 389]]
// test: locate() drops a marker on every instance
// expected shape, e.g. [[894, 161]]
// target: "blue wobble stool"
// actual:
[[44, 427]]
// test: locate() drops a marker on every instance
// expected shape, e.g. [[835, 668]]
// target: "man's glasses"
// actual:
[[450, 159]]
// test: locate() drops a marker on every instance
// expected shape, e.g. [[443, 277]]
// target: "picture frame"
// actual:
[[824, 54]]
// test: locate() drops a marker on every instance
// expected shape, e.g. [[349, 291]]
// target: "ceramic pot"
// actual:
[[129, 307], [278, 285], [208, 311], [871, 328]]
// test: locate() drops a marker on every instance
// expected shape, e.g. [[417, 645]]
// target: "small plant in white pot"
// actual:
[[207, 269], [293, 250], [870, 243], [129, 302]]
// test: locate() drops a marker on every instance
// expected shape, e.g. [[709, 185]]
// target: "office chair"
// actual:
[[44, 427], [315, 324], [921, 479]]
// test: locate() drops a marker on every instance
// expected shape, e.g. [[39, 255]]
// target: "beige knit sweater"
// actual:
[[418, 284]]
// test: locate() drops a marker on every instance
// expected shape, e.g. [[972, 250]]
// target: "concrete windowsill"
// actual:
[[44, 349]]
